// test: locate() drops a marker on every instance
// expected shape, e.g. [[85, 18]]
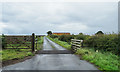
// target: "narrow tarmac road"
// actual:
[[52, 61]]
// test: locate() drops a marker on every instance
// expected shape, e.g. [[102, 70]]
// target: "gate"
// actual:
[[19, 42], [76, 44]]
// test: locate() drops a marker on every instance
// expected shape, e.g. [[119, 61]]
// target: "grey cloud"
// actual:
[[41, 17]]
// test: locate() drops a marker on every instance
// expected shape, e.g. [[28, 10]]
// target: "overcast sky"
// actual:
[[73, 17]]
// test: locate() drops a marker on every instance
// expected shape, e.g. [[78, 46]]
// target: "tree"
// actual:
[[49, 32], [80, 33], [99, 33]]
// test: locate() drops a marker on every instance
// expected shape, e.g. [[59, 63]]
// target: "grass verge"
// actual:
[[61, 43], [105, 61], [40, 43], [10, 54]]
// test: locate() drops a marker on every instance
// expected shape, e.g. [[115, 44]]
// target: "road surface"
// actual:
[[52, 61]]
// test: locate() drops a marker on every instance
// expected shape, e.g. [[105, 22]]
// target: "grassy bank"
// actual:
[[10, 54], [105, 60], [61, 43]]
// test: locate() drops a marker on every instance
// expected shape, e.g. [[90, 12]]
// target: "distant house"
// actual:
[[60, 33]]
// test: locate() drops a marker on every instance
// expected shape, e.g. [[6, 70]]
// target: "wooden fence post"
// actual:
[[33, 42], [3, 41]]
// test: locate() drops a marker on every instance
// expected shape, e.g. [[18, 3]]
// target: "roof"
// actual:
[[60, 32]]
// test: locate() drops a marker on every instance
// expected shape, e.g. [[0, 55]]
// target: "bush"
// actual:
[[107, 42], [54, 36], [66, 38], [81, 37]]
